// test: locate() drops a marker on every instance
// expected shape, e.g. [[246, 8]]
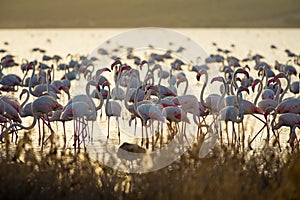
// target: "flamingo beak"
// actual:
[[215, 79], [115, 63], [199, 75], [106, 69], [271, 80], [247, 67], [253, 86]]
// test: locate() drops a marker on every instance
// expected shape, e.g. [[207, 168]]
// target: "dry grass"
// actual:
[[226, 174]]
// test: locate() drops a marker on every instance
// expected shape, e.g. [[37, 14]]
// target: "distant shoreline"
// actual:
[[154, 13]]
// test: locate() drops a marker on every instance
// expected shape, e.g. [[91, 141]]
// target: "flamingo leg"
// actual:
[[147, 138], [233, 139], [43, 136], [119, 135], [161, 134], [108, 127], [92, 133], [142, 142], [227, 133], [258, 118], [243, 136], [65, 136], [75, 134], [249, 143], [39, 139]]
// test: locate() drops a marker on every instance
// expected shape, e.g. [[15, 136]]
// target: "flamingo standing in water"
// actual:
[[112, 108], [78, 108], [174, 115], [293, 136], [148, 112], [212, 99], [42, 105], [232, 113], [285, 119]]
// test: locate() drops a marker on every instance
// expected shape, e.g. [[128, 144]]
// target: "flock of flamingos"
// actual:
[[157, 107]]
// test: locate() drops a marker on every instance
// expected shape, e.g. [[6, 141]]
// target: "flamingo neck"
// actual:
[[285, 90], [241, 111], [259, 93], [202, 91], [27, 98], [223, 95]]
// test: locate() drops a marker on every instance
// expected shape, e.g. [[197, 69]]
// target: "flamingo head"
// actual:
[[238, 79], [65, 88], [240, 70], [142, 63], [22, 93], [199, 74], [156, 66], [100, 71], [262, 70], [268, 111], [247, 67], [151, 87], [105, 69], [280, 75], [272, 80], [254, 83], [180, 80], [106, 83], [292, 71], [117, 62], [242, 88], [218, 78], [125, 67]]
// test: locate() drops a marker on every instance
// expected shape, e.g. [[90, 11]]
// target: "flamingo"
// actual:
[[265, 102], [294, 87], [174, 115], [282, 75], [25, 111], [172, 82], [8, 111], [11, 80], [285, 119], [293, 135], [78, 108], [42, 105], [112, 108], [40, 89], [233, 113], [212, 99], [148, 112]]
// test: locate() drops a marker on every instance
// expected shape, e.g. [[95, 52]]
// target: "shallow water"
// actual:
[[85, 41]]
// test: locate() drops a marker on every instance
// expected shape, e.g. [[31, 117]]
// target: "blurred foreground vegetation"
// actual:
[[225, 174]]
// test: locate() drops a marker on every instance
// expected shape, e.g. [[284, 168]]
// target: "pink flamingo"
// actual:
[[148, 112], [25, 111], [233, 113], [11, 80], [78, 108], [42, 105], [285, 119], [174, 115], [293, 136], [265, 102], [212, 99], [112, 108]]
